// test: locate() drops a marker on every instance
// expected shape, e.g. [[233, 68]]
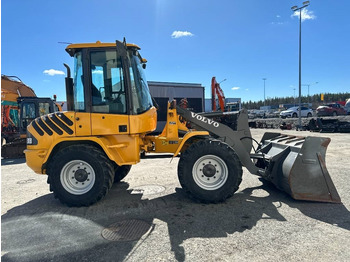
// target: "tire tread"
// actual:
[[186, 157], [107, 169]]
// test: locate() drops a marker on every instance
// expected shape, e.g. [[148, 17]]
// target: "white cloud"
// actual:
[[235, 88], [53, 72], [178, 34], [305, 15], [279, 23]]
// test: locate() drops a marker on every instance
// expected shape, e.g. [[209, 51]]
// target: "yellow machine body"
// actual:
[[99, 129], [174, 135]]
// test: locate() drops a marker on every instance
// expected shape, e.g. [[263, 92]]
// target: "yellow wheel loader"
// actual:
[[109, 124]]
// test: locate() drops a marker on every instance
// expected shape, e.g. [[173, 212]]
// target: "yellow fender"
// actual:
[[187, 137], [124, 150]]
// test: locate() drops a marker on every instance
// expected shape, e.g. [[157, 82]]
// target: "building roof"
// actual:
[[174, 84]]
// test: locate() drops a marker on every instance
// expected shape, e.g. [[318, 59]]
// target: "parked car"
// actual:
[[333, 109], [347, 106], [256, 113], [294, 112]]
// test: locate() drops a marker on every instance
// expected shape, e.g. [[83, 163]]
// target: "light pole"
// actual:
[[308, 90], [296, 8], [294, 95], [264, 91], [222, 81]]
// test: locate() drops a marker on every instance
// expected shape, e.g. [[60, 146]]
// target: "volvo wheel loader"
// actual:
[[109, 123]]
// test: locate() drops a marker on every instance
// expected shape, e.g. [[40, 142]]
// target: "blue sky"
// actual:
[[186, 41]]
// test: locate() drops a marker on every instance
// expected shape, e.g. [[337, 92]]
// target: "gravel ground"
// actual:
[[258, 223]]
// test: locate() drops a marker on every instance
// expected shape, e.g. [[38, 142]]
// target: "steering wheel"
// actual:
[[117, 99]]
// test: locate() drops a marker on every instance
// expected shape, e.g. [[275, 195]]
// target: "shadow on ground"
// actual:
[[46, 230], [12, 161]]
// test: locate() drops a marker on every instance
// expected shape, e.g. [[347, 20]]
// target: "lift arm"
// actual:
[[240, 140]]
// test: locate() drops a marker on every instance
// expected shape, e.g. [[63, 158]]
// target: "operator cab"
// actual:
[[33, 107], [108, 78]]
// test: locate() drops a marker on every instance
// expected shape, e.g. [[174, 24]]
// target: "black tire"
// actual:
[[80, 175], [309, 115], [120, 172], [294, 115], [217, 158], [334, 113]]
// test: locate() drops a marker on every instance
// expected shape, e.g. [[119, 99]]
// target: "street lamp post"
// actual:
[[296, 8], [294, 95], [308, 90], [264, 91], [222, 81]]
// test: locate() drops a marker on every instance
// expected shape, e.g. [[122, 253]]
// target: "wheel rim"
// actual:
[[77, 177], [210, 172]]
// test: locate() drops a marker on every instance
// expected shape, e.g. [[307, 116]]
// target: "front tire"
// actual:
[[210, 171], [80, 175], [294, 115], [120, 172]]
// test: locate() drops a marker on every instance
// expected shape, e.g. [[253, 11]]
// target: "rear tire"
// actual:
[[210, 171], [309, 115], [80, 175], [334, 113], [294, 115]]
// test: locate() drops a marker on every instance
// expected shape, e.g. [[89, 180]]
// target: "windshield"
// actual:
[[141, 97]]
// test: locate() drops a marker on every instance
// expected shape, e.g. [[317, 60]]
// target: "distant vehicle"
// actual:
[[347, 106], [233, 106], [255, 113], [294, 112], [333, 109], [273, 114]]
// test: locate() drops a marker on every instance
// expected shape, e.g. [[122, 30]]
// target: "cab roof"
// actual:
[[72, 48]]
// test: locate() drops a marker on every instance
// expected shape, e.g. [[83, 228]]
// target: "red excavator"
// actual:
[[218, 93]]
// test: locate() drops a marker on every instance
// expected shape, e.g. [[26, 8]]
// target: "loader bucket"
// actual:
[[297, 166]]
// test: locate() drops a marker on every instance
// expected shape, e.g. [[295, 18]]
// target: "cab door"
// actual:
[[82, 116], [109, 101]]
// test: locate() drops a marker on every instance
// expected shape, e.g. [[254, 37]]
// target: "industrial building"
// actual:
[[163, 92]]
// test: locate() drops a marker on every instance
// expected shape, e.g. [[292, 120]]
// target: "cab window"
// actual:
[[107, 83], [141, 97], [44, 109], [78, 89], [28, 114]]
